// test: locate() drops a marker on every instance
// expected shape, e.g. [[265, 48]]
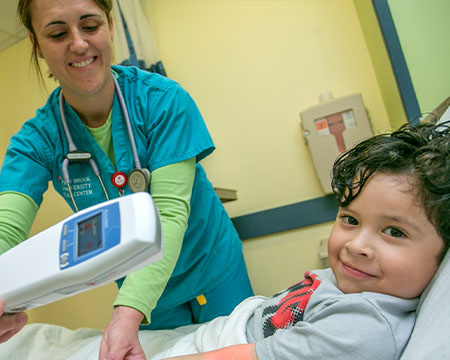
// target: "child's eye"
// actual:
[[350, 220], [394, 232]]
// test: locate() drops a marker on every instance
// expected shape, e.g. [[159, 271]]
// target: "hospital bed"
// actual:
[[429, 339]]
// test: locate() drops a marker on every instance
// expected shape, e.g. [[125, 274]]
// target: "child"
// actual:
[[391, 231]]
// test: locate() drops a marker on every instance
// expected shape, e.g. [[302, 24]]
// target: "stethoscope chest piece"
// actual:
[[138, 179]]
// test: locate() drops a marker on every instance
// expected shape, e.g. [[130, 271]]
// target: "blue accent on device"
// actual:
[[88, 235]]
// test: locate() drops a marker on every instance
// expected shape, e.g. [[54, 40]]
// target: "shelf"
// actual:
[[226, 195]]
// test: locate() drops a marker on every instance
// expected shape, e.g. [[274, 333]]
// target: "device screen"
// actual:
[[90, 235]]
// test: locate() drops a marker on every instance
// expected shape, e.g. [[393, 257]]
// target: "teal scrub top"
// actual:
[[168, 128]]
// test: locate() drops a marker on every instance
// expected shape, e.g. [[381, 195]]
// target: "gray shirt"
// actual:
[[321, 322]]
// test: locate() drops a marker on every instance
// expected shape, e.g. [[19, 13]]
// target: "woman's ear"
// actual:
[[35, 45], [111, 27], [31, 37]]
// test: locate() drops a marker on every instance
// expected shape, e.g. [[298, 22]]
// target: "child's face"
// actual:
[[383, 241]]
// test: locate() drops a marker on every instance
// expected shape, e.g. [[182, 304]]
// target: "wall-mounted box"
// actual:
[[332, 127]]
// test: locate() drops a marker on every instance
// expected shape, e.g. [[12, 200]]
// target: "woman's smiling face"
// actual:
[[383, 241], [75, 39]]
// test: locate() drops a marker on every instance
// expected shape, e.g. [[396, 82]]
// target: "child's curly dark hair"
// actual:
[[422, 152]]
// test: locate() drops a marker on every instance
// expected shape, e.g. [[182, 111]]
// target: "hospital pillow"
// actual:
[[430, 336]]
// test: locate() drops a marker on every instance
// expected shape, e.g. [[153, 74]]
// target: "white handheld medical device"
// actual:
[[90, 248]]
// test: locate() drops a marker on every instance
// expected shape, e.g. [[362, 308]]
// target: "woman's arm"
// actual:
[[171, 188], [17, 213]]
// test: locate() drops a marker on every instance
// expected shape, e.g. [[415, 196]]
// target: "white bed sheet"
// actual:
[[51, 342]]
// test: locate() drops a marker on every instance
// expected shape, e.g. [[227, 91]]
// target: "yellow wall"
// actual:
[[381, 62], [252, 66]]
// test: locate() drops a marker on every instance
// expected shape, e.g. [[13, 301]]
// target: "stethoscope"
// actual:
[[138, 179]]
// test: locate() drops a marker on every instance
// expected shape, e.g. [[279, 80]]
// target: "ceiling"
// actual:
[[10, 30]]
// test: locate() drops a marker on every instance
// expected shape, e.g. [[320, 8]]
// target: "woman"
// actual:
[[202, 274]]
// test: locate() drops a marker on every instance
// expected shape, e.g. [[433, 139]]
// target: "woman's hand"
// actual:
[[120, 338], [11, 324]]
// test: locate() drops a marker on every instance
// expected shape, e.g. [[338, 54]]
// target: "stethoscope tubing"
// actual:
[[73, 147], [137, 162]]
